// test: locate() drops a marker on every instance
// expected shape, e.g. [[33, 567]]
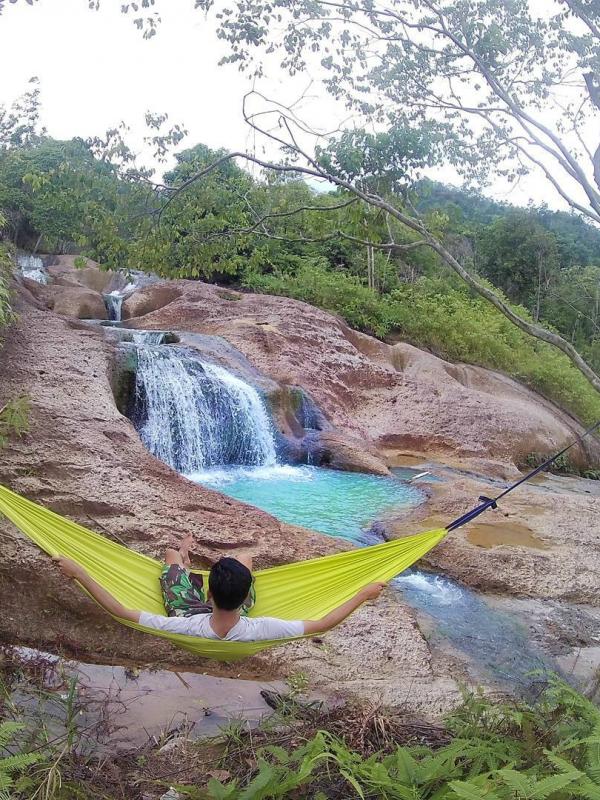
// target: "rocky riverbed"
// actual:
[[385, 404]]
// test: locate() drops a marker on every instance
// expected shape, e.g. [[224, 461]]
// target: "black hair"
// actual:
[[229, 582]]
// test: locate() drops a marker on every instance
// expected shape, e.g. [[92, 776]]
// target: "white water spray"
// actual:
[[193, 415], [114, 301], [32, 267]]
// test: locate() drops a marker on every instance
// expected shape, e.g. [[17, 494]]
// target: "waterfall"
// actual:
[[148, 337], [32, 267], [114, 301], [194, 415]]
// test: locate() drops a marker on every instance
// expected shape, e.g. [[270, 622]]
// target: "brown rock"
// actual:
[[341, 451], [63, 271], [149, 299], [545, 537], [80, 303], [83, 459], [70, 301], [397, 396]]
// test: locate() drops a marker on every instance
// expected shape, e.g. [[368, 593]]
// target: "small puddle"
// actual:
[[512, 534], [118, 708]]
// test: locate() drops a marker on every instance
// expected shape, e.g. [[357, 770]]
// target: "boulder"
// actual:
[[64, 271], [69, 300], [149, 299], [80, 303], [338, 450]]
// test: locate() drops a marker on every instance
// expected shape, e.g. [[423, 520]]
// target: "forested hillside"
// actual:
[[277, 234]]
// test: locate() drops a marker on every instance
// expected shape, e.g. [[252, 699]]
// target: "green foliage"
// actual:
[[511, 751], [191, 239], [14, 418], [520, 257], [15, 763], [386, 160], [6, 315], [60, 193], [470, 212], [560, 466], [443, 316]]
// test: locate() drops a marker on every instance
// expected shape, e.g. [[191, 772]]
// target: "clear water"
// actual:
[[343, 504], [498, 642], [346, 504]]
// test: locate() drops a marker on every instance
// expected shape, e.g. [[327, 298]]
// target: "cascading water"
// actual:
[[32, 267], [114, 302], [149, 337], [194, 415]]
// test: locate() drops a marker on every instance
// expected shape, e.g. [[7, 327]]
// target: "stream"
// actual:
[[216, 429]]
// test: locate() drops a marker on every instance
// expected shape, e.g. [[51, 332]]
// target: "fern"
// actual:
[[15, 763], [593, 753], [8, 730], [469, 790]]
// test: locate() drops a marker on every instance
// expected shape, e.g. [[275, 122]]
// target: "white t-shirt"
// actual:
[[247, 629]]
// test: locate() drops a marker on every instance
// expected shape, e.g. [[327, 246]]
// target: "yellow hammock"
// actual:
[[303, 590]]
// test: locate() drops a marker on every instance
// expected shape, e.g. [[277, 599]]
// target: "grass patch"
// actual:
[[485, 751], [512, 750]]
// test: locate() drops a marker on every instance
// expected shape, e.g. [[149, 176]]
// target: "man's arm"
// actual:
[[339, 614], [99, 593]]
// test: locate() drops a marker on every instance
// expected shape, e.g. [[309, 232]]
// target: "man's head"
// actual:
[[229, 583]]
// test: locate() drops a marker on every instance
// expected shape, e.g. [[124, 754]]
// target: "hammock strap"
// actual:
[[492, 502]]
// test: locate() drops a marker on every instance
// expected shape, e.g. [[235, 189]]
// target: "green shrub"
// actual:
[[6, 315], [441, 315], [14, 763], [14, 418], [512, 751]]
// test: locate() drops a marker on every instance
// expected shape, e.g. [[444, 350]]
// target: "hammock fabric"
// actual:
[[303, 590]]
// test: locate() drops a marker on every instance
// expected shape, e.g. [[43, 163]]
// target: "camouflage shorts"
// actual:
[[185, 593]]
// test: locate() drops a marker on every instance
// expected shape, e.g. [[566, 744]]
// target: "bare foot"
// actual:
[[186, 543]]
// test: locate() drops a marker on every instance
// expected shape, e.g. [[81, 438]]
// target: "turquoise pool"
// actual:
[[341, 504]]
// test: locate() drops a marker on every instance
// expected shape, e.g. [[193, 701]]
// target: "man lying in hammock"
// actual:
[[220, 613]]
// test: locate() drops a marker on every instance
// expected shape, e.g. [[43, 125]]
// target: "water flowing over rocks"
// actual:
[[193, 415], [394, 395]]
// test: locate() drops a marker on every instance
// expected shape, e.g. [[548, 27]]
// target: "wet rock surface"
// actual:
[[559, 514]]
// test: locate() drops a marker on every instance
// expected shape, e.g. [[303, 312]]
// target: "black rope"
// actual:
[[492, 502]]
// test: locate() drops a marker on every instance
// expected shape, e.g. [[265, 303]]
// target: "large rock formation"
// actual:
[[83, 459], [396, 396]]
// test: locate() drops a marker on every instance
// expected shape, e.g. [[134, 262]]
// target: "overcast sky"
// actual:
[[96, 70]]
